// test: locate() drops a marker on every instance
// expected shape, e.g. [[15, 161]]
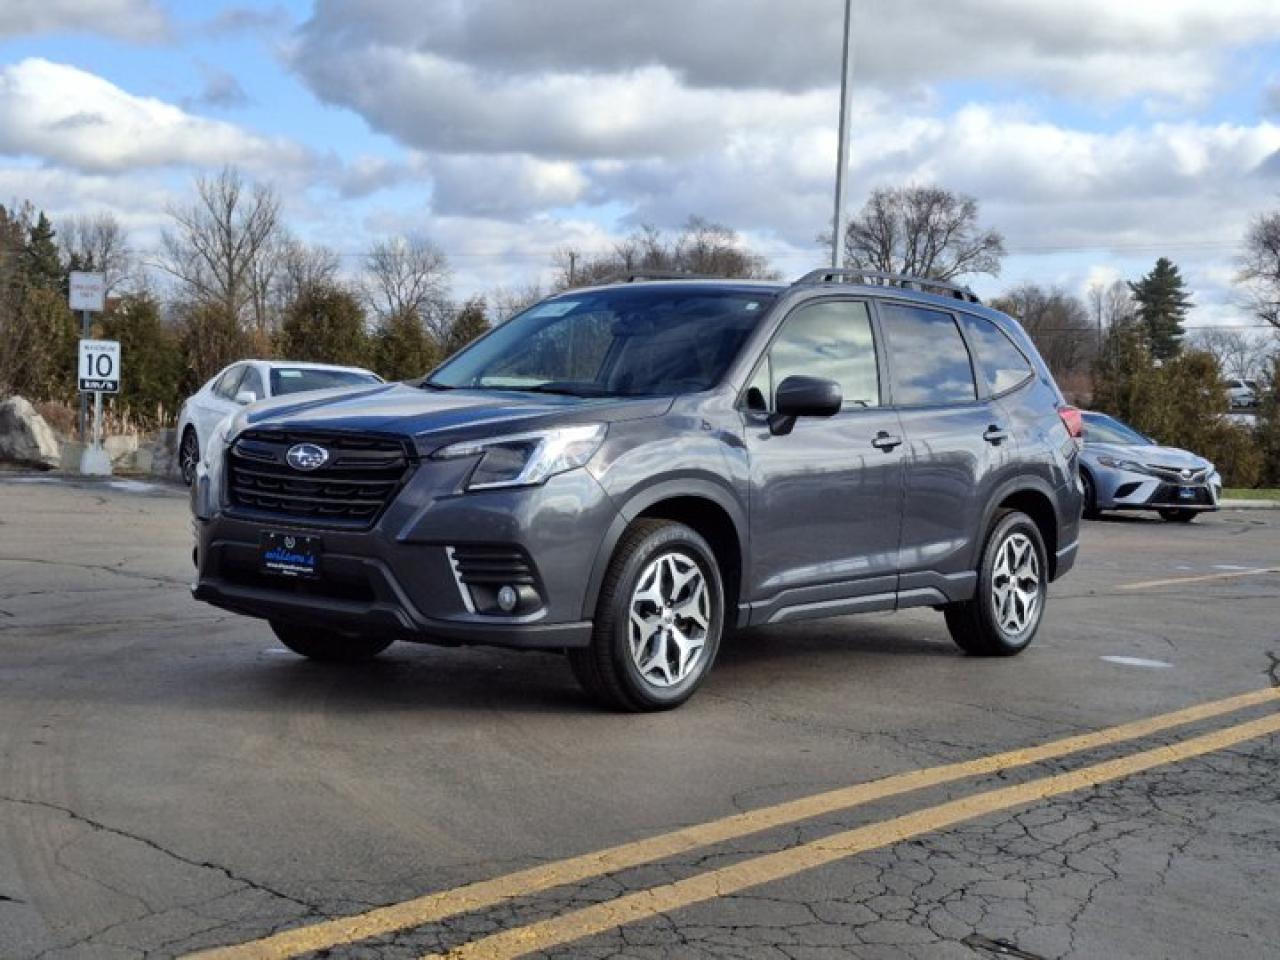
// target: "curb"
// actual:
[[1249, 504]]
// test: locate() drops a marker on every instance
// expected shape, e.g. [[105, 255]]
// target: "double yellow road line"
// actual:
[[567, 927]]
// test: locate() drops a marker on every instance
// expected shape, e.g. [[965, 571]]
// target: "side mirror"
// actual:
[[804, 397], [245, 397]]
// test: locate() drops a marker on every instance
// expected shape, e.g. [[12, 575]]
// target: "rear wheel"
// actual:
[[189, 455], [1005, 613], [1175, 515], [317, 643], [658, 621], [1091, 511]]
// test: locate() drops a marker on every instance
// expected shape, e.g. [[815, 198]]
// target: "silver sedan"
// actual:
[[1123, 470]]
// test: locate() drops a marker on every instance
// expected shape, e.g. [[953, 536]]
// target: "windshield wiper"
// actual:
[[425, 384], [567, 389]]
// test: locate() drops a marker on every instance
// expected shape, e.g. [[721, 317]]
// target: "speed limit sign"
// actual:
[[99, 366]]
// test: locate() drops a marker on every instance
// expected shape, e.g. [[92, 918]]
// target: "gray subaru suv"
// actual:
[[629, 472]]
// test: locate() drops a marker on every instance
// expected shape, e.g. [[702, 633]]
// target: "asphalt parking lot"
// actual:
[[172, 781]]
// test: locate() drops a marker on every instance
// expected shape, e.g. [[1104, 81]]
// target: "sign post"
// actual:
[[87, 293], [98, 371]]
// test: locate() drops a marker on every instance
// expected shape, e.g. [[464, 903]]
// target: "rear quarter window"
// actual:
[[1001, 365]]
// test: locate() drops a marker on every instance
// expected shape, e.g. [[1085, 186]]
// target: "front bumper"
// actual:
[[399, 577], [1130, 490]]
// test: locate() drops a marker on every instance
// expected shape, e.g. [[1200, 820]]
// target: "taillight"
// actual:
[[1073, 420]]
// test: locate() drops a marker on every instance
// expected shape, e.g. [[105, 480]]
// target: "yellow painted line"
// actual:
[[482, 894], [1177, 581], [645, 904]]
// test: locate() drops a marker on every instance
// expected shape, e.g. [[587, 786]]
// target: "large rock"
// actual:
[[25, 437]]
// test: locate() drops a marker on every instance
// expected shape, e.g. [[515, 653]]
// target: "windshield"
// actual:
[[300, 379], [1103, 429], [635, 341]]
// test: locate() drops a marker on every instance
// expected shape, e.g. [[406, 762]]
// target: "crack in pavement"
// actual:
[[103, 567], [1273, 671], [309, 910]]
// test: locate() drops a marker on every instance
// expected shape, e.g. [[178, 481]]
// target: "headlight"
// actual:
[[1130, 465], [524, 459], [216, 443]]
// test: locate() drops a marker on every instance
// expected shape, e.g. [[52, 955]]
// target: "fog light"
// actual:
[[507, 599]]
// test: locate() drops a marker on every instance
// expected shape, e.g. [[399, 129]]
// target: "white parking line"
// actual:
[[1136, 662]]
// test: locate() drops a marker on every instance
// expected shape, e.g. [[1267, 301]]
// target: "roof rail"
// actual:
[[634, 276], [876, 278]]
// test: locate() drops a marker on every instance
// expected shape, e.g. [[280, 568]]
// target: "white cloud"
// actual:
[[65, 115], [503, 187], [1102, 49], [138, 20]]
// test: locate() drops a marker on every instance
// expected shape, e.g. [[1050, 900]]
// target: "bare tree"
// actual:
[[1111, 305], [97, 243], [1057, 322], [409, 276], [701, 247], [223, 249], [505, 302], [1238, 354], [922, 232], [302, 268], [1260, 266]]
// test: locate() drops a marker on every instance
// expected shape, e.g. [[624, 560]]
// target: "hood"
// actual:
[[1149, 454], [433, 417]]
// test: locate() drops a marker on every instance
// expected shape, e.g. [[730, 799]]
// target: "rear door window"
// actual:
[[928, 359], [1000, 363]]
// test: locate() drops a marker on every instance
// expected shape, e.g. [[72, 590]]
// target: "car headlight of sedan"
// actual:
[[1116, 464], [526, 459]]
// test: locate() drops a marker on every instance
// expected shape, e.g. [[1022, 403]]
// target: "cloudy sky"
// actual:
[[1096, 134]]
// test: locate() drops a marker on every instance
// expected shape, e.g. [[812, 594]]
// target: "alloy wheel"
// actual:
[[1015, 584], [188, 457], [670, 619]]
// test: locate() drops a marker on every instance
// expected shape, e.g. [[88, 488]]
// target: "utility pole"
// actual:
[[573, 262], [838, 227]]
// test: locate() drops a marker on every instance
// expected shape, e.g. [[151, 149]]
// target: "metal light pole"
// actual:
[[837, 237]]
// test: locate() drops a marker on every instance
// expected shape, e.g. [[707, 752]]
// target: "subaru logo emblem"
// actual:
[[306, 456], [1186, 472]]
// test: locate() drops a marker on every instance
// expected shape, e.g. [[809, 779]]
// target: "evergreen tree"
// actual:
[[468, 324], [325, 324], [41, 261], [152, 390], [402, 350], [1163, 302]]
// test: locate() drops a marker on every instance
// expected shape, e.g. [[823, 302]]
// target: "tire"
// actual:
[[317, 643], [188, 455], [1174, 515], [646, 574], [995, 623], [1091, 511]]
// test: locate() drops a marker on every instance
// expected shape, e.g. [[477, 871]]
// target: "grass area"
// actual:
[[1270, 493]]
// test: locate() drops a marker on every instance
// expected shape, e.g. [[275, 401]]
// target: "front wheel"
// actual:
[[1175, 515], [317, 643], [188, 455], [658, 621], [1091, 511], [1005, 613]]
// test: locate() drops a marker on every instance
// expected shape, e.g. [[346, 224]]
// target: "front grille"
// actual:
[[352, 489], [1174, 474], [492, 566]]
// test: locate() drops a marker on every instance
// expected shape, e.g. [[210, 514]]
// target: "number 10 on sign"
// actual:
[[99, 366]]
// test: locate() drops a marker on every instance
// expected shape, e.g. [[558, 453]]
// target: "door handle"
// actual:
[[994, 435], [885, 441]]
